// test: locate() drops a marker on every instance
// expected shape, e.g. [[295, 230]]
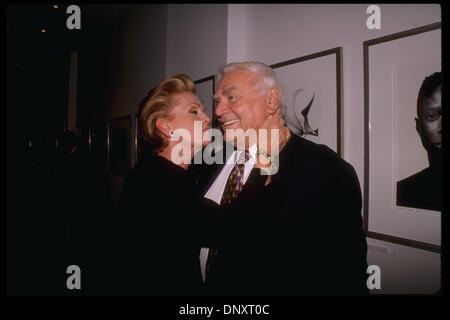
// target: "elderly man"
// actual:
[[295, 232]]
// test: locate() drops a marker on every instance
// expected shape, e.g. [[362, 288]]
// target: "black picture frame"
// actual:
[[118, 145], [84, 135], [98, 144]]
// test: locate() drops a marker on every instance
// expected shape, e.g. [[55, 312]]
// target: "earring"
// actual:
[[171, 133]]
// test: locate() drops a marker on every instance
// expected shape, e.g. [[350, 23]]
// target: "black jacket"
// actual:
[[300, 235], [157, 239]]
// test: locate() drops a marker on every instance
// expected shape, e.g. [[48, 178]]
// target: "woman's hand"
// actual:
[[268, 145]]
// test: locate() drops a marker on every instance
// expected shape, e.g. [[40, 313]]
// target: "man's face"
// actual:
[[241, 103], [429, 121]]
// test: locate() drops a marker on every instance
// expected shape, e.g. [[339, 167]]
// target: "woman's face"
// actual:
[[186, 109]]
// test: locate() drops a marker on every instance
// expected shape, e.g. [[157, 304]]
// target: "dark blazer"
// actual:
[[157, 245], [300, 235]]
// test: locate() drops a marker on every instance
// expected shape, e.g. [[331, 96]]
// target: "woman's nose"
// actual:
[[206, 120]]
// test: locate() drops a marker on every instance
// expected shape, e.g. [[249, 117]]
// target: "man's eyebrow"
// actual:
[[225, 92], [228, 90]]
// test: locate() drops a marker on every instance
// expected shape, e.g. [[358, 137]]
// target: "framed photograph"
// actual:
[[313, 96], [402, 144], [84, 134], [118, 144], [204, 89], [98, 144]]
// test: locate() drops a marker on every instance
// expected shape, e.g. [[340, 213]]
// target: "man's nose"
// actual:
[[221, 108]]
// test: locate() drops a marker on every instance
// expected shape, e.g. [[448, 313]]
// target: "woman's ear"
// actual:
[[163, 127], [273, 100]]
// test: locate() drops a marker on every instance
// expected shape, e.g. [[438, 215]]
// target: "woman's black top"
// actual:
[[158, 231]]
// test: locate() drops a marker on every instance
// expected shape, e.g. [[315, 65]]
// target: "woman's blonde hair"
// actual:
[[156, 106]]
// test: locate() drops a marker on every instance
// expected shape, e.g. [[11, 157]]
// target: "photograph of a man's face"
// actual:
[[423, 189]]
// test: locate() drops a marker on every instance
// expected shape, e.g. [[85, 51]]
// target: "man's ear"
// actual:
[[162, 127], [418, 129], [273, 100]]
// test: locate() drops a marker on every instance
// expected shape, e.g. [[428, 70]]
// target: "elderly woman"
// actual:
[[158, 245]]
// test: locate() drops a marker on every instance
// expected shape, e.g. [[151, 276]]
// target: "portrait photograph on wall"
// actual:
[[313, 96], [403, 151], [204, 89], [119, 157]]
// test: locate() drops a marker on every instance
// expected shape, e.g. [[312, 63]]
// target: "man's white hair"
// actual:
[[269, 77]]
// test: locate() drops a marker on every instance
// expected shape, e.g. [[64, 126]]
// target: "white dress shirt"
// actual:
[[216, 190]]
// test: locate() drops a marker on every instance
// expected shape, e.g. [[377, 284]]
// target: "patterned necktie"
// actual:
[[234, 185], [235, 179]]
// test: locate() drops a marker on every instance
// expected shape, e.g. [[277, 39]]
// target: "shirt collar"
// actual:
[[252, 152]]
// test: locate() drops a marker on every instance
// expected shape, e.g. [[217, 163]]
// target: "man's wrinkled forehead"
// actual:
[[238, 80]]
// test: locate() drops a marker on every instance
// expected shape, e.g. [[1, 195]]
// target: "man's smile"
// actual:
[[229, 122]]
